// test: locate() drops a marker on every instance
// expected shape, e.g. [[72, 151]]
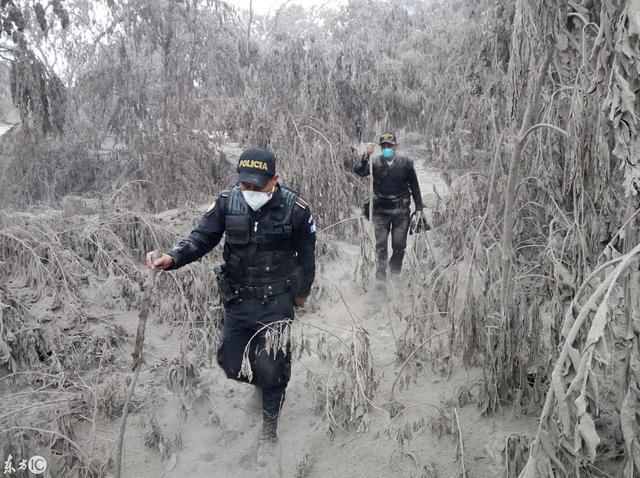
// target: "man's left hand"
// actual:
[[299, 301]]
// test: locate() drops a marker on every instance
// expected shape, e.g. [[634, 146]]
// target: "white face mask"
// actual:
[[257, 199]]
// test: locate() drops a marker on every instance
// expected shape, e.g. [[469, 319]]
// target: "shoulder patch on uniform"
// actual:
[[302, 203], [211, 207]]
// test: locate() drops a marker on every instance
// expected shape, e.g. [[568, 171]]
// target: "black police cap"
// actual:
[[256, 166]]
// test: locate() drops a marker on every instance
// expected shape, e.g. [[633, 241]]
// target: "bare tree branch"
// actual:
[[543, 125]]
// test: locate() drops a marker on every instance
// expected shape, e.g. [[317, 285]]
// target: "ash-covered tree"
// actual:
[[36, 90]]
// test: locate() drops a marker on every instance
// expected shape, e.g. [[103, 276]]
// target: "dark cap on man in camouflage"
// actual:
[[387, 138]]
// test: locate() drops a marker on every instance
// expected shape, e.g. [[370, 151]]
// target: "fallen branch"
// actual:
[[460, 442], [137, 362]]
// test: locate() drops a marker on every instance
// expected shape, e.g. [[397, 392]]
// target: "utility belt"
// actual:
[[391, 203], [231, 291]]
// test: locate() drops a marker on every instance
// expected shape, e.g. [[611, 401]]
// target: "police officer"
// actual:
[[269, 255], [394, 182]]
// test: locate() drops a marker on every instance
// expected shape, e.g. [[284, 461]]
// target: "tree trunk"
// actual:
[[514, 178]]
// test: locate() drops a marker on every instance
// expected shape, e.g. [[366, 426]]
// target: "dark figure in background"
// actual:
[[359, 128], [269, 254], [394, 182]]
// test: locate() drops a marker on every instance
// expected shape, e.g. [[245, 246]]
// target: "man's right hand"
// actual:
[[370, 148], [163, 262]]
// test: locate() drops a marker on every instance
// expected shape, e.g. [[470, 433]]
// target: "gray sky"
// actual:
[[267, 6]]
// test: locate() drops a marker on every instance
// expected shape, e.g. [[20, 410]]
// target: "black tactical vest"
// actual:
[[390, 182], [259, 252]]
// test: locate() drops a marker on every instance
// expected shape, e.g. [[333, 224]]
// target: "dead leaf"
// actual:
[[574, 355], [171, 464], [601, 352], [581, 405], [562, 42], [621, 149], [587, 429], [576, 383], [5, 352], [633, 13], [530, 469], [624, 47], [563, 274], [568, 322], [631, 177], [627, 97], [614, 117], [596, 332], [563, 409], [592, 383], [547, 444], [628, 418], [537, 466]]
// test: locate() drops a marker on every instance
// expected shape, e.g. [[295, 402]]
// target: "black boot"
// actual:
[[268, 439]]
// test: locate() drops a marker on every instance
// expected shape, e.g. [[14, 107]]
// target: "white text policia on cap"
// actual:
[[253, 163]]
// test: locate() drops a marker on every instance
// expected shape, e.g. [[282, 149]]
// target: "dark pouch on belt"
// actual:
[[227, 294]]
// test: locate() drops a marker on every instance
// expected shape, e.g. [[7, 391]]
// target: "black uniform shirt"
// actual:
[[394, 181], [211, 228]]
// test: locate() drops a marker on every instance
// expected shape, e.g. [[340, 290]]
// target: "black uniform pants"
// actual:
[[395, 221], [246, 325]]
